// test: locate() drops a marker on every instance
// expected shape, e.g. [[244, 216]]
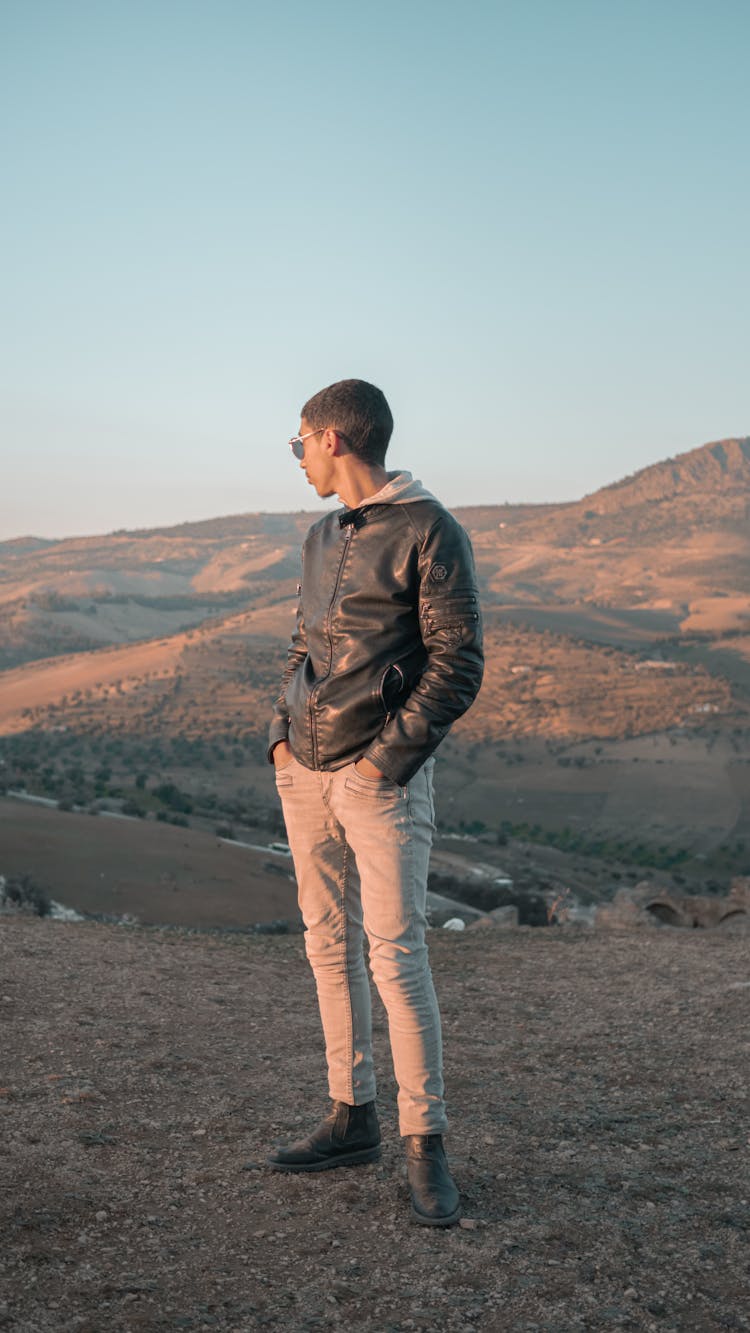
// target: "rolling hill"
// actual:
[[665, 550], [618, 658]]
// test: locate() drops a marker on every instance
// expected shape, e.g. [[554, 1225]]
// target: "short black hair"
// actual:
[[358, 411]]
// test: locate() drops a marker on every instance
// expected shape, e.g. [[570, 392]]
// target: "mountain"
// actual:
[[617, 687], [655, 557], [663, 552], [711, 470]]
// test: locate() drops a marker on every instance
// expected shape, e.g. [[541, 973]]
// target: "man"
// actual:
[[386, 654]]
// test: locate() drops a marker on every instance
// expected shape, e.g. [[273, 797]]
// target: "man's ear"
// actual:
[[333, 443]]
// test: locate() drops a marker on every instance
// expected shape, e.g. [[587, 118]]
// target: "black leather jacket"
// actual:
[[387, 650]]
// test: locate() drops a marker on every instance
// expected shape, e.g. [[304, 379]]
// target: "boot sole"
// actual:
[[327, 1164], [449, 1220]]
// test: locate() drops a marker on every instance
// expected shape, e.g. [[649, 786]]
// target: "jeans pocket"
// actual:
[[380, 789]]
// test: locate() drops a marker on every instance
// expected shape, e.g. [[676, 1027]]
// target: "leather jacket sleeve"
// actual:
[[296, 654], [451, 629]]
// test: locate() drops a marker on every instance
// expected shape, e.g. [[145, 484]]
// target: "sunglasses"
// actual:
[[297, 442]]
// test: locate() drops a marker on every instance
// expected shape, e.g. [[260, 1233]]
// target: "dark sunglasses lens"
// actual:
[[298, 448]]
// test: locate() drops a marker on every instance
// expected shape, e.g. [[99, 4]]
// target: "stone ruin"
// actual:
[[652, 905]]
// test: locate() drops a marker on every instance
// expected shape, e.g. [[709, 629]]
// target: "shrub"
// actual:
[[171, 795], [24, 892]]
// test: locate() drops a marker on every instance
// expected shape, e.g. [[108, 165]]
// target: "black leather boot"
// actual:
[[348, 1136], [434, 1197]]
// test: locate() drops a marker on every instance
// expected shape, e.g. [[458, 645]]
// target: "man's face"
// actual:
[[317, 464]]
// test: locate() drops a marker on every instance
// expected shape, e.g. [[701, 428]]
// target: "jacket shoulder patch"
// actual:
[[438, 572]]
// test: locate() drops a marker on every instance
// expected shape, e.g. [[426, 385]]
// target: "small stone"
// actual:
[[102, 1216], [469, 1223]]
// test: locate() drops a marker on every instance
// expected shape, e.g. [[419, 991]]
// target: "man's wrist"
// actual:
[[280, 751], [366, 767]]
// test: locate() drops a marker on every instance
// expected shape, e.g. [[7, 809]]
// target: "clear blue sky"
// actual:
[[526, 220]]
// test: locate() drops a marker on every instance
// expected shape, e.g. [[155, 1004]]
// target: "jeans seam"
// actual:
[[326, 788], [410, 858], [345, 969]]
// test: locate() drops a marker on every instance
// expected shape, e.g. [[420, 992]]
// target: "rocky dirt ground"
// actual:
[[599, 1096]]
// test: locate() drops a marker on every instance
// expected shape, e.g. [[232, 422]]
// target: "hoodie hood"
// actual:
[[400, 488]]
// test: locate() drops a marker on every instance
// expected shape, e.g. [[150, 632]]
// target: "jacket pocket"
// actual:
[[392, 689], [453, 616], [460, 604]]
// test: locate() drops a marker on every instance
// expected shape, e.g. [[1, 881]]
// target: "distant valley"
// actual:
[[615, 709]]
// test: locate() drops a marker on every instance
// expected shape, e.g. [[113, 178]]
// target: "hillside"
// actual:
[[711, 470], [616, 626], [669, 544]]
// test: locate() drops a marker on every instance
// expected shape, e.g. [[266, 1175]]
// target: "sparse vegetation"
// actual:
[[729, 857], [22, 892], [485, 896]]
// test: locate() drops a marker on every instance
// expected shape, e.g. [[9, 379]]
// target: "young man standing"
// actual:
[[386, 654]]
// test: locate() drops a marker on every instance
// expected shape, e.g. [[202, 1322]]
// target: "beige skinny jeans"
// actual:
[[361, 851]]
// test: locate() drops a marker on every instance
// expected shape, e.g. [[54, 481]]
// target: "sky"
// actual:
[[526, 220]]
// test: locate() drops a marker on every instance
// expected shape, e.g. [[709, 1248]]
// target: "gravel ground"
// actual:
[[598, 1086]]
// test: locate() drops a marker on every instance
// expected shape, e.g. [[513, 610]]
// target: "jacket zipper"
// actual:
[[329, 614]]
